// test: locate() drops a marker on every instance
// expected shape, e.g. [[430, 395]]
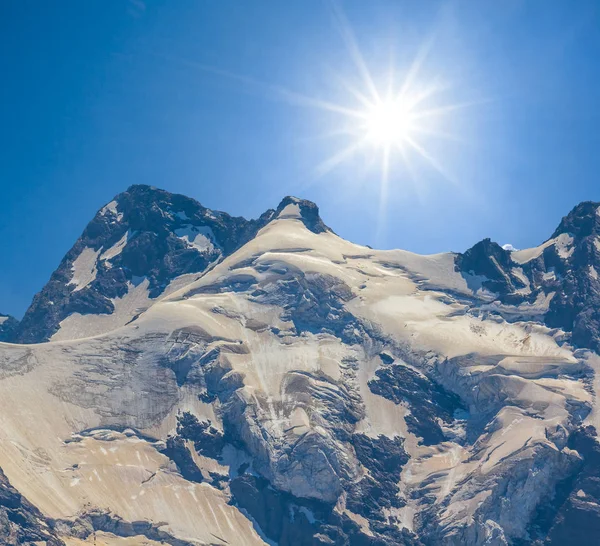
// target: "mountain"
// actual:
[[127, 256], [8, 326], [142, 245], [556, 282], [280, 385]]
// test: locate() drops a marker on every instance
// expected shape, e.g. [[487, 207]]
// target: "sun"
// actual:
[[394, 122], [398, 120], [391, 125], [388, 123]]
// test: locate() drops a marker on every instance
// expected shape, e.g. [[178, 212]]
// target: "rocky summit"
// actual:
[[187, 377]]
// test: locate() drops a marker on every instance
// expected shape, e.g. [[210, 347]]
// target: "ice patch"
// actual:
[[84, 269], [564, 245], [134, 302], [519, 273], [528, 254], [199, 237], [111, 208], [291, 211], [3, 319], [117, 248], [524, 311], [593, 273], [550, 275]]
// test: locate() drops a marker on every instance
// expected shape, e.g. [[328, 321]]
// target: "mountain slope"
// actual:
[[557, 282], [128, 255], [304, 390]]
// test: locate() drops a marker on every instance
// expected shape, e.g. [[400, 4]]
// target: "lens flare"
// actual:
[[389, 123]]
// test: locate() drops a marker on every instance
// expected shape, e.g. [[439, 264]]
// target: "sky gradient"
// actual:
[[200, 97]]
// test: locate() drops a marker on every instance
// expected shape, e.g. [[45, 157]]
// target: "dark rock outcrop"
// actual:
[[309, 213], [314, 302], [208, 441], [566, 269], [143, 234], [572, 516], [290, 521], [429, 402], [8, 326], [383, 458], [488, 259], [21, 523]]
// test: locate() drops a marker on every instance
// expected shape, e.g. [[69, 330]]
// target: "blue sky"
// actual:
[[201, 97]]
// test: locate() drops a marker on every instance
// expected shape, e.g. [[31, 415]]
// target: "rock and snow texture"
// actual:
[[556, 283], [8, 325], [145, 236], [298, 389]]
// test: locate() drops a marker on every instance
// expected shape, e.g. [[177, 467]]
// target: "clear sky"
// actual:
[[230, 102]]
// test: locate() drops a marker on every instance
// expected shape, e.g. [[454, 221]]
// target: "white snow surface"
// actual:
[[117, 248], [201, 238], [290, 211], [563, 244], [111, 208], [66, 387], [84, 268]]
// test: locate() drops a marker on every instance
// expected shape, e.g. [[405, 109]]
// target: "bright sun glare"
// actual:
[[388, 123], [391, 124], [394, 124]]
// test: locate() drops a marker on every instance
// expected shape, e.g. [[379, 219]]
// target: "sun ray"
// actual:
[[408, 166], [449, 108], [382, 120], [431, 90], [415, 67], [436, 133], [329, 164], [273, 91], [385, 174], [431, 160], [383, 193], [361, 97], [347, 35], [347, 131]]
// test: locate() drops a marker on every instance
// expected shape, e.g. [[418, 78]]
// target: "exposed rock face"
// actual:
[[493, 264], [139, 243], [297, 389], [431, 404], [8, 326], [563, 273], [20, 521], [573, 514], [290, 521], [145, 235]]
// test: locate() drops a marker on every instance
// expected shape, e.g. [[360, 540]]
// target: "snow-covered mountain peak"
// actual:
[[582, 221], [132, 252], [290, 387], [301, 209]]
